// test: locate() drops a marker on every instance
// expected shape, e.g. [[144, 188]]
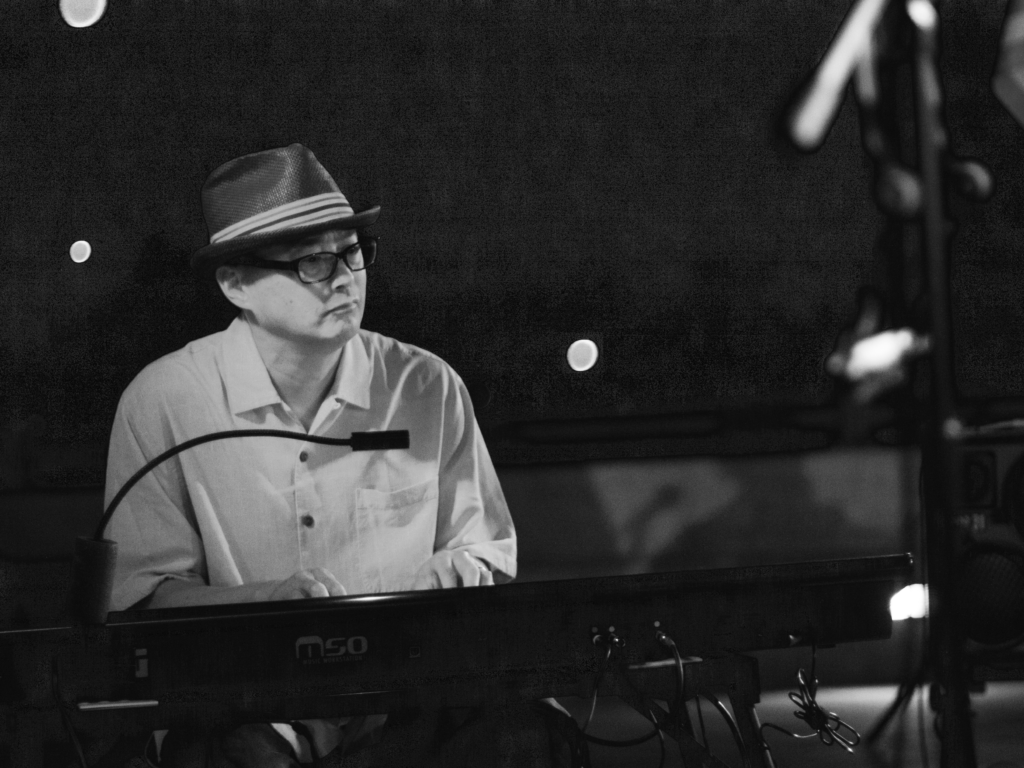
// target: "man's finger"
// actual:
[[486, 577], [468, 569], [314, 588], [325, 577], [447, 578], [425, 580]]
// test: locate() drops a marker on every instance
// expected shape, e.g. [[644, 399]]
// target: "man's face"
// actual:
[[306, 314]]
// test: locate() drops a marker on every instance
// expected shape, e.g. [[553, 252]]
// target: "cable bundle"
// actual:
[[827, 725], [576, 736]]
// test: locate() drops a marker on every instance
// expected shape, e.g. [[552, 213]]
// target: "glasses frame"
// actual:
[[293, 265]]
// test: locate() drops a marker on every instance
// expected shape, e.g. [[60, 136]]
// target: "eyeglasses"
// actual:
[[317, 267]]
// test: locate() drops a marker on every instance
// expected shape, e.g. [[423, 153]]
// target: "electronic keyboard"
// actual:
[[356, 654]]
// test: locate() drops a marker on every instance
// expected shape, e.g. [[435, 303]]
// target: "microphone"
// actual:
[[818, 105], [379, 441], [870, 358], [92, 573]]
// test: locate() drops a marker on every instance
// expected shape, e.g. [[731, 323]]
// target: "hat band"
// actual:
[[309, 210]]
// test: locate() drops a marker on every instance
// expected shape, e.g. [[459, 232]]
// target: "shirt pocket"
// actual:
[[401, 525]]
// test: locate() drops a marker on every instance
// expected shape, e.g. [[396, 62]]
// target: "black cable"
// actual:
[[64, 716], [624, 669], [678, 707], [703, 731], [903, 697], [597, 685], [579, 749], [680, 703], [627, 742], [826, 725], [666, 640], [675, 713], [582, 737], [661, 737], [901, 709], [734, 727], [914, 685], [638, 740], [623, 742]]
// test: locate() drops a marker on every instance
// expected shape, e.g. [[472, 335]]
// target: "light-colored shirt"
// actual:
[[254, 509]]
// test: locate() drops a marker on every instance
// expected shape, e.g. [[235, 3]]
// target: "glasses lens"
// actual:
[[317, 267], [321, 266], [368, 245], [354, 257]]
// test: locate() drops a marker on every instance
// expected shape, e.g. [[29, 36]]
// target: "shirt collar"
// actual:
[[352, 382], [246, 379], [248, 383]]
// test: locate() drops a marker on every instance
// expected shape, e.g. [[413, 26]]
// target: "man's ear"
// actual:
[[233, 286]]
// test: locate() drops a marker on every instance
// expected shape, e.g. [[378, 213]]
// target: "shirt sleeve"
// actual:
[[472, 512], [153, 524]]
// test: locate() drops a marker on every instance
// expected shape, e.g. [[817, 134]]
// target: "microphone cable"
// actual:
[[734, 728]]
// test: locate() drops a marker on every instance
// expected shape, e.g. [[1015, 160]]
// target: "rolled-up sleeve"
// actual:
[[152, 524], [472, 512]]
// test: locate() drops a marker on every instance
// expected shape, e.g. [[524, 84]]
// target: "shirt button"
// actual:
[[303, 456], [308, 521]]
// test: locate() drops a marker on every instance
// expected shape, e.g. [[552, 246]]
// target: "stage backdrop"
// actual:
[[547, 170]]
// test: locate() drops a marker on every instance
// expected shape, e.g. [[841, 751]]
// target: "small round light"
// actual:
[[80, 251], [582, 355], [923, 14], [82, 13]]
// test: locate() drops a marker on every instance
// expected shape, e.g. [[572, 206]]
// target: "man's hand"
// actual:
[[182, 593], [312, 582], [447, 569]]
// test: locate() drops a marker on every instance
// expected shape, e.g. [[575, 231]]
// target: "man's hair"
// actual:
[[245, 258], [239, 260], [242, 264]]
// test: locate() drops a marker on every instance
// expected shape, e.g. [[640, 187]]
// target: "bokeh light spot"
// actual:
[[911, 602], [80, 251], [582, 355], [82, 13]]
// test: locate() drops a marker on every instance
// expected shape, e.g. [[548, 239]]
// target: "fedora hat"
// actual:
[[267, 197]]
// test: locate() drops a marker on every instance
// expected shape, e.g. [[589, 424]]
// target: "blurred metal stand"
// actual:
[[920, 196]]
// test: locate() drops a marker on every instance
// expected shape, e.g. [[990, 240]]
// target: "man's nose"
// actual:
[[343, 276]]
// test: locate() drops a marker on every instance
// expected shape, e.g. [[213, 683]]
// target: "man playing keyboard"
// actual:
[[265, 518]]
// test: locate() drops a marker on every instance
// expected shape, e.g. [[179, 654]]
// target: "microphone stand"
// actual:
[[921, 196], [941, 479]]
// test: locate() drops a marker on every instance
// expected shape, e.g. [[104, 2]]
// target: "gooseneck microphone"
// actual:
[[92, 576]]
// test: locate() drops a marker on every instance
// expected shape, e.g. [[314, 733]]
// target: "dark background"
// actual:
[[547, 170]]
